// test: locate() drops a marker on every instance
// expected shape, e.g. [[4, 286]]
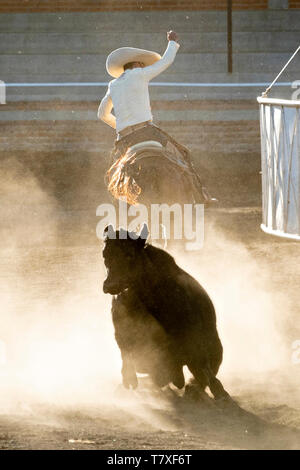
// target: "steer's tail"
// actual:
[[121, 184]]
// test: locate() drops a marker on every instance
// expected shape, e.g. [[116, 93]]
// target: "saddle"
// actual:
[[154, 149]]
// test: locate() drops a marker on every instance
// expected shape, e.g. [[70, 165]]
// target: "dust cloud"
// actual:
[[52, 340], [57, 339], [257, 315], [248, 313]]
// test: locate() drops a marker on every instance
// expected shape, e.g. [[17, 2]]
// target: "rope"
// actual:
[[264, 94]]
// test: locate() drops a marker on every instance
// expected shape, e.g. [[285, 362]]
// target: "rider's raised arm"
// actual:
[[158, 67], [104, 111]]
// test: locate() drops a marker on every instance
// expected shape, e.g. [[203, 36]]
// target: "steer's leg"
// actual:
[[123, 327], [128, 371], [196, 389], [166, 372], [217, 388], [178, 377], [205, 377], [200, 376]]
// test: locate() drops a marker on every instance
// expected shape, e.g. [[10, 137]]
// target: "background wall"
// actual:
[[129, 5], [52, 132], [72, 47]]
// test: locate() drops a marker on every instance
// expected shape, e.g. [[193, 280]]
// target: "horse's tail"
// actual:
[[120, 184]]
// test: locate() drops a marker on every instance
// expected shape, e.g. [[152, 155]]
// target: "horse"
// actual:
[[150, 174], [157, 174]]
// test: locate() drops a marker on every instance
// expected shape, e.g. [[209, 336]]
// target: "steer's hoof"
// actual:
[[130, 384], [226, 402], [130, 380], [191, 392], [195, 394]]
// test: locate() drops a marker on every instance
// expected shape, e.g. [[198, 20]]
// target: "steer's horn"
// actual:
[[109, 232], [144, 232]]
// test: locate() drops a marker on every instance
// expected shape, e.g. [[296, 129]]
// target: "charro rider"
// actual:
[[128, 95]]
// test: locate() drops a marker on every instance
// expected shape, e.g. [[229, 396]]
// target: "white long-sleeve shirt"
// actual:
[[129, 93]]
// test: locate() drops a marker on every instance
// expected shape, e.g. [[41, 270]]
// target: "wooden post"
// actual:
[[229, 36]]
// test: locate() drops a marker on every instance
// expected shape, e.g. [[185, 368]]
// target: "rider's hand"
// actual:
[[172, 36]]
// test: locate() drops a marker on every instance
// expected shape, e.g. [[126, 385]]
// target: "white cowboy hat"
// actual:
[[118, 58]]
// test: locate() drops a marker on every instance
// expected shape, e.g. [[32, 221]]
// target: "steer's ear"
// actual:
[[144, 234]]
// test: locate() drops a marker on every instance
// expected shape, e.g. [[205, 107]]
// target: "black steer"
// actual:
[[163, 318]]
